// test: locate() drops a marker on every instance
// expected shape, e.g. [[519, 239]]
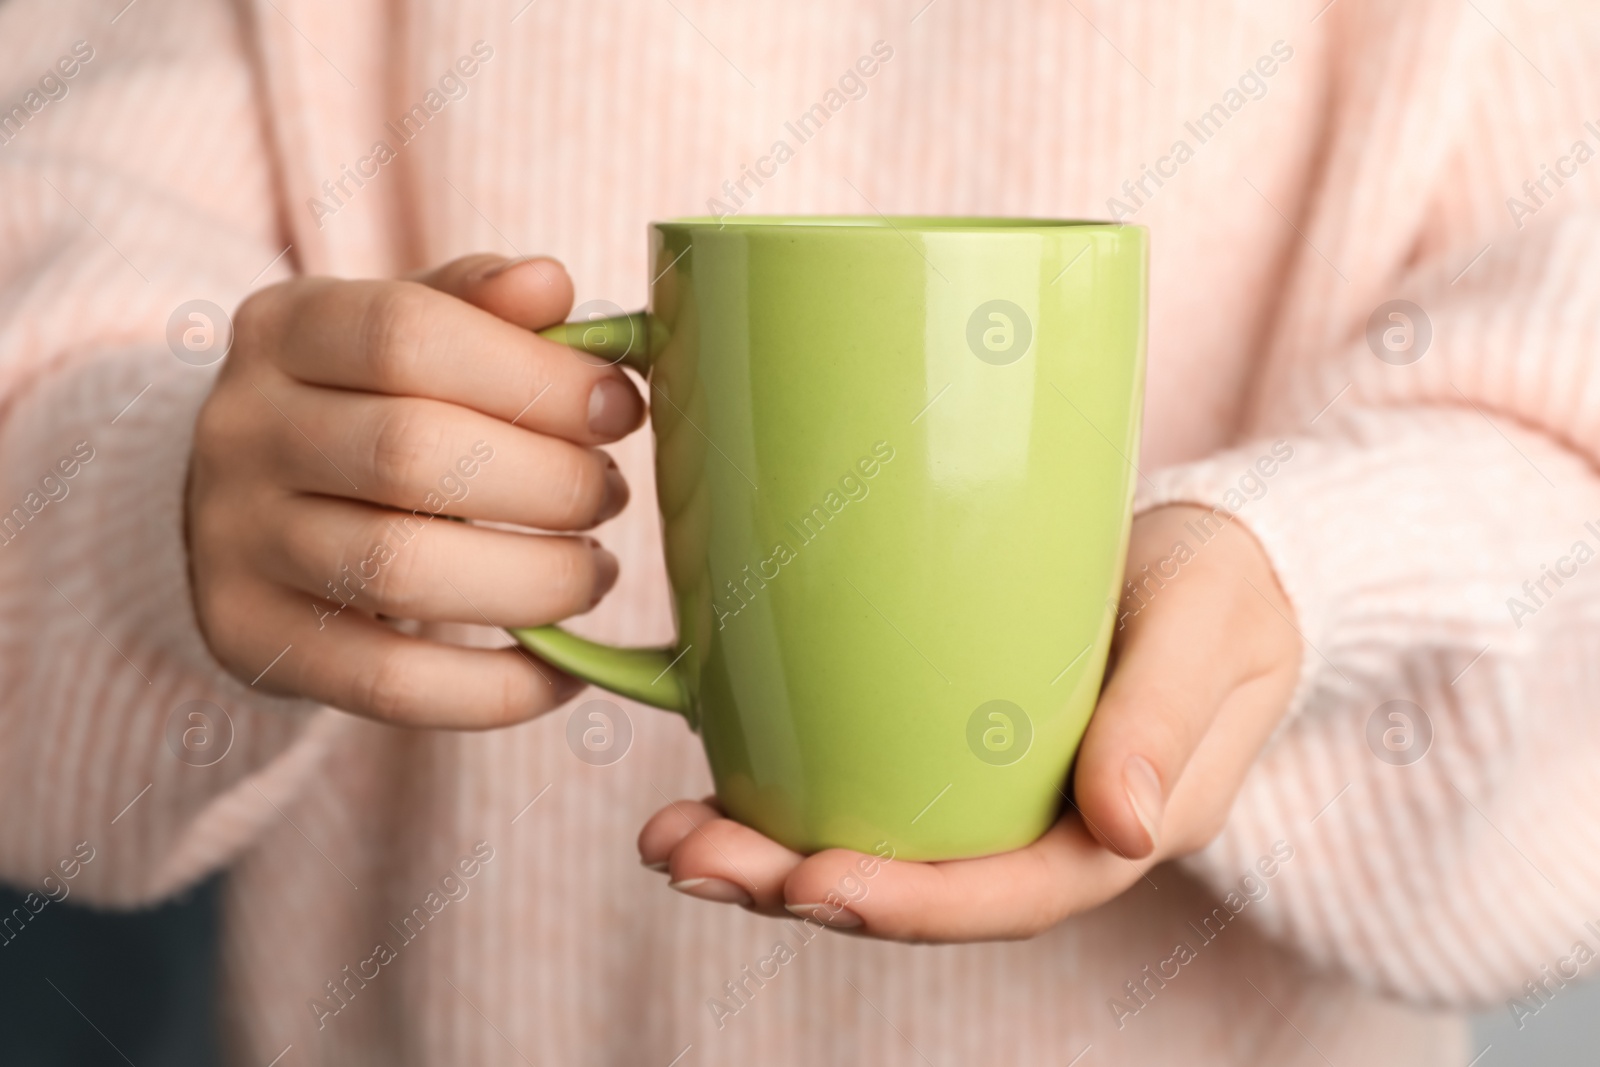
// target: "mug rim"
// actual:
[[914, 223]]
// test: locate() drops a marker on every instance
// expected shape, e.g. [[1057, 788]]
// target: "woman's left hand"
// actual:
[[1201, 673]]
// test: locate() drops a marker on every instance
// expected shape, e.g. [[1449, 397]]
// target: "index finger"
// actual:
[[1004, 897], [404, 338]]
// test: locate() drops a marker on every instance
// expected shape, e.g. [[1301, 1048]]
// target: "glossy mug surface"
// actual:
[[894, 462]]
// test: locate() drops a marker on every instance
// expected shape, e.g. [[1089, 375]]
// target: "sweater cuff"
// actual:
[[100, 649], [1260, 485], [1429, 557], [113, 543]]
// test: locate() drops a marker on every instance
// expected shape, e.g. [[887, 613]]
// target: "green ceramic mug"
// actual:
[[895, 466]]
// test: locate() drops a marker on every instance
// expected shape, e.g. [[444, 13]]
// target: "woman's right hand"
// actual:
[[350, 419]]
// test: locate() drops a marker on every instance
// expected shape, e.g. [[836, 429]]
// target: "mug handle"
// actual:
[[649, 675]]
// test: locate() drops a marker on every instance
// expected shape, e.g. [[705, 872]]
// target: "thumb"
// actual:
[[531, 293], [1188, 642], [1149, 721]]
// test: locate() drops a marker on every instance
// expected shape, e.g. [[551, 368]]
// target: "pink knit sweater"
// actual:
[[1299, 168]]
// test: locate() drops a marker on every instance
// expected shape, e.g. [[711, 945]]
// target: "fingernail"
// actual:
[[660, 866], [605, 574], [616, 497], [712, 889], [826, 915], [1143, 786], [563, 687], [614, 408]]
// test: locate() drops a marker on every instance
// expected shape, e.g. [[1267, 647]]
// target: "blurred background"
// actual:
[[146, 980]]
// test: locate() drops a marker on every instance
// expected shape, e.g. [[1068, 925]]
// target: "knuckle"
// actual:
[[569, 577], [1169, 732], [577, 487], [384, 688], [265, 320], [393, 332], [257, 316], [406, 439], [224, 622], [229, 430], [512, 701], [212, 527], [389, 578], [212, 611], [216, 427]]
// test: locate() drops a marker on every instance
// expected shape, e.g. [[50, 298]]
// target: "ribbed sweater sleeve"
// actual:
[[1435, 528], [142, 184]]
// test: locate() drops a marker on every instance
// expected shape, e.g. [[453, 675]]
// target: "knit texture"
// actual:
[[1334, 159]]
